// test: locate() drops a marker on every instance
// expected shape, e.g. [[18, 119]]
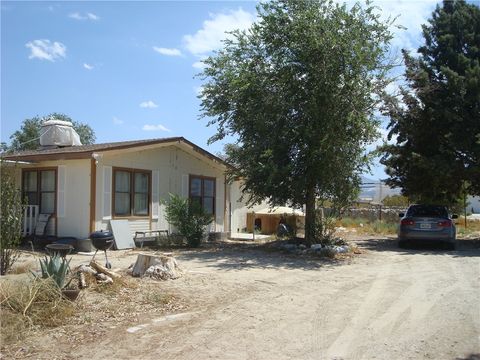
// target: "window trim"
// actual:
[[38, 170], [132, 171], [202, 178]]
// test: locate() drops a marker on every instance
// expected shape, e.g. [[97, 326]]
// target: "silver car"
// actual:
[[427, 223]]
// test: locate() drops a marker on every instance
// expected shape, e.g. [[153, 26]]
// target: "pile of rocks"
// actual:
[[315, 249]]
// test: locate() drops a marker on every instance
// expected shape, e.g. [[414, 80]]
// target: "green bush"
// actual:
[[11, 214], [188, 218]]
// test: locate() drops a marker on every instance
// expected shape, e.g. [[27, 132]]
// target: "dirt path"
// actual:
[[250, 304]]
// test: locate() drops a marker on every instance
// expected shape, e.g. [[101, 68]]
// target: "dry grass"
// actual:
[[30, 303], [365, 226], [110, 289], [473, 226], [24, 267]]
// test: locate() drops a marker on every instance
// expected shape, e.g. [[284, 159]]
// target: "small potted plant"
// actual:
[[57, 268]]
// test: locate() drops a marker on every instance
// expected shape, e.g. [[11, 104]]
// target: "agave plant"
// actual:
[[56, 268]]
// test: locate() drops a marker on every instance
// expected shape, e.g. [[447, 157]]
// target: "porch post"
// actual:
[[93, 193]]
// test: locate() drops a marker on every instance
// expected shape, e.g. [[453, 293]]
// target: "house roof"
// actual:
[[86, 151]]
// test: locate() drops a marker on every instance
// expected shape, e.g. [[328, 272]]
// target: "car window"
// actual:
[[427, 211]]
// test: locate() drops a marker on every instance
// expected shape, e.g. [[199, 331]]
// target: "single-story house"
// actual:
[[83, 187]]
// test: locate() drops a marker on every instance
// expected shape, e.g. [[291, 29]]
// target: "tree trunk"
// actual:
[[310, 216], [157, 266]]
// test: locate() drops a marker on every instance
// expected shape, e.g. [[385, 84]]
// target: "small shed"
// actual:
[[267, 219]]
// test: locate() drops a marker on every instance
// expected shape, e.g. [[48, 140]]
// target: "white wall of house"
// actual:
[[73, 196], [173, 166], [239, 208]]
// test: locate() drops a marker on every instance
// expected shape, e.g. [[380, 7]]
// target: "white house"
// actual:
[[85, 186]]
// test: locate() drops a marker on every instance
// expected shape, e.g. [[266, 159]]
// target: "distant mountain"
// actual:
[[375, 190]]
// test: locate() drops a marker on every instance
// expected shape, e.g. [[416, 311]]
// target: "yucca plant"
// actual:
[[56, 268]]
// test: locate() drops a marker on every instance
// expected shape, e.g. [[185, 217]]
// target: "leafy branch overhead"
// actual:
[[299, 90]]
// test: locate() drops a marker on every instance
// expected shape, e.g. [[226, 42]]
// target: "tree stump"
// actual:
[[156, 266]]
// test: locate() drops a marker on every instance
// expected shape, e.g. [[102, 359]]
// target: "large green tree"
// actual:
[[437, 122], [298, 90], [28, 137]]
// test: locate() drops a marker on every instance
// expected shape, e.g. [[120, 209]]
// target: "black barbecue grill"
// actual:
[[102, 240]]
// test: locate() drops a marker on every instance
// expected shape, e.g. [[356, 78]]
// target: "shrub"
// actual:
[[188, 218], [31, 302], [10, 219], [325, 229], [56, 268]]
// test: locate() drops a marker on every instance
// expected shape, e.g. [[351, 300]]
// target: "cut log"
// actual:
[[104, 270], [160, 267], [104, 279]]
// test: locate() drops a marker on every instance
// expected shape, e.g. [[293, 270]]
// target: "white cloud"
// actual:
[[86, 16], [382, 139], [117, 121], [410, 14], [210, 36], [198, 90], [46, 50], [92, 16], [167, 51], [199, 65], [148, 104], [157, 127], [87, 66]]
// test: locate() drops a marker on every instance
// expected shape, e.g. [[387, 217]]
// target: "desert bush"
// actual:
[[31, 303], [381, 227], [325, 229], [367, 226], [23, 267], [188, 218], [11, 212], [396, 200]]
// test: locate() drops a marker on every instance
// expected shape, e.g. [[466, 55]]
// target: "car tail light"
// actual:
[[445, 223], [407, 222]]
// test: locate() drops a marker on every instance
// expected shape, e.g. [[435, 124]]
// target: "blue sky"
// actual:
[[127, 68]]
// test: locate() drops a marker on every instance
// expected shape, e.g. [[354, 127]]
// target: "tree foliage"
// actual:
[[437, 151], [298, 91], [188, 218], [10, 219], [28, 137]]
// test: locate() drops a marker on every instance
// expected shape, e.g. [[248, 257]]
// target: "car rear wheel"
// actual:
[[450, 246], [402, 244]]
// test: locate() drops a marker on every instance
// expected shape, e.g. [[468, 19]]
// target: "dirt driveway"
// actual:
[[247, 303]]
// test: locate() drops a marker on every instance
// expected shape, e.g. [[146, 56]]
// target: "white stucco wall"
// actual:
[[76, 217], [239, 208], [174, 166]]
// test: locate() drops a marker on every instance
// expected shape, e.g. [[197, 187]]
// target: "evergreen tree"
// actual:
[[437, 152]]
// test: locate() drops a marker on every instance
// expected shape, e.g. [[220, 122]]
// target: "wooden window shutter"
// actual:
[[107, 193], [61, 188], [155, 193], [185, 186]]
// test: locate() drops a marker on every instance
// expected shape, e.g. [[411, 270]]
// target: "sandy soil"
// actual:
[[242, 302]]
